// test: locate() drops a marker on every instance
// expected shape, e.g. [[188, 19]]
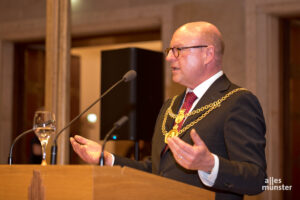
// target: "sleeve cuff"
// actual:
[[209, 179], [112, 159]]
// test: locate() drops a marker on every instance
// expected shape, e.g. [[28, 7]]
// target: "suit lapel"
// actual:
[[175, 109], [170, 121], [214, 92]]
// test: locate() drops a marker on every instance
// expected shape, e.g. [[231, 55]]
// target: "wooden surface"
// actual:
[[60, 181], [36, 190], [127, 183], [94, 182]]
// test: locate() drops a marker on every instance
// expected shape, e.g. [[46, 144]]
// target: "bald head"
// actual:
[[207, 34], [196, 53]]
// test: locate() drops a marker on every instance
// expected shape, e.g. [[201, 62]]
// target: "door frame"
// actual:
[[263, 73]]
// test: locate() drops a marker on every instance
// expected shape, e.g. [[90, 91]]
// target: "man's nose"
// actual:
[[170, 57]]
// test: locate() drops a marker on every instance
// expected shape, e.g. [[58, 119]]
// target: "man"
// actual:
[[215, 130]]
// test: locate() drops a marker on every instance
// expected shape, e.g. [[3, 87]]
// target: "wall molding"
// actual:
[[262, 72]]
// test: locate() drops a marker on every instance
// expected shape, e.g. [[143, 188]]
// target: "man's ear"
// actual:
[[209, 54]]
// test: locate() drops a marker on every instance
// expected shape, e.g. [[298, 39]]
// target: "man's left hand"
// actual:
[[196, 157]]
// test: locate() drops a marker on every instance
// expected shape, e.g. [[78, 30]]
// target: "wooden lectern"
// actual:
[[87, 182]]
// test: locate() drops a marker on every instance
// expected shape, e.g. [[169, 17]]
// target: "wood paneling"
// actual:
[[6, 98], [58, 69], [87, 182]]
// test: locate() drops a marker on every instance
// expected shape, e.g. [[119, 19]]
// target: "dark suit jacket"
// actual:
[[235, 132]]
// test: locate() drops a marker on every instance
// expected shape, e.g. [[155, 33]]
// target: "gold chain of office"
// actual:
[[180, 116]]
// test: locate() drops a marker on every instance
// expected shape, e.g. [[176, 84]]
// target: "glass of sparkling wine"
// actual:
[[44, 128]]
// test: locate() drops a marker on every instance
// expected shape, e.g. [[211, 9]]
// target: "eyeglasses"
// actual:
[[176, 50]]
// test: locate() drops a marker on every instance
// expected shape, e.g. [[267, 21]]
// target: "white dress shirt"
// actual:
[[207, 179]]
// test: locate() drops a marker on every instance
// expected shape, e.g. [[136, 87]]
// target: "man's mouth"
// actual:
[[175, 68]]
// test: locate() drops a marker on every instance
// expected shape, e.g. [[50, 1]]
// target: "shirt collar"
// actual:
[[203, 87]]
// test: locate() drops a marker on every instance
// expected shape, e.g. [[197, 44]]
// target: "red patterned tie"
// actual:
[[187, 104], [190, 97]]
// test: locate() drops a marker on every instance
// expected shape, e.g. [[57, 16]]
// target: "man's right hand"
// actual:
[[89, 151]]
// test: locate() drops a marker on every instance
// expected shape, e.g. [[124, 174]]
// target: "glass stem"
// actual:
[[44, 150]]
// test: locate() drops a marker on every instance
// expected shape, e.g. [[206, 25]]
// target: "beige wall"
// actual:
[[262, 19]]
